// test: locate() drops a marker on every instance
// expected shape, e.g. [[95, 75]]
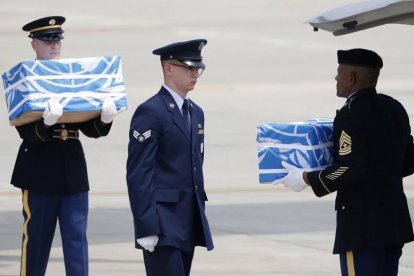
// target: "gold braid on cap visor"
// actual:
[[45, 28]]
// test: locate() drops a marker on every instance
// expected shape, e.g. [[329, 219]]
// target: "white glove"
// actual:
[[294, 179], [108, 110], [148, 243], [52, 112]]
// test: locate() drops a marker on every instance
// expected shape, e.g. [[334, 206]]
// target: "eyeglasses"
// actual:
[[191, 70]]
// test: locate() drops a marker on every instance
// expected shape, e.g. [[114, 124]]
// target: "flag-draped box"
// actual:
[[305, 144], [79, 84]]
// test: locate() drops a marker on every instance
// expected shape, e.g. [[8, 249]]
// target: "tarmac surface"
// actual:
[[263, 65]]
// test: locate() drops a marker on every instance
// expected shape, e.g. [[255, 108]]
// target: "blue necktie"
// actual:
[[186, 115]]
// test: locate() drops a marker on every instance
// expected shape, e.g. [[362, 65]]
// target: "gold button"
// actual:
[[64, 134]]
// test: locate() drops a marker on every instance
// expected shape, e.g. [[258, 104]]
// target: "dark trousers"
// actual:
[[41, 213], [168, 261], [371, 262]]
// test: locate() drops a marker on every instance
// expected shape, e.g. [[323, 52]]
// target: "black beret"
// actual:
[[360, 57], [46, 28], [188, 52]]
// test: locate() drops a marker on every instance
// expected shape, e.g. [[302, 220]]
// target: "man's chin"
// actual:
[[54, 56], [340, 94]]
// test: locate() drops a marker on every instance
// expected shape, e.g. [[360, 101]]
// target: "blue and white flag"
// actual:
[[305, 144], [80, 84]]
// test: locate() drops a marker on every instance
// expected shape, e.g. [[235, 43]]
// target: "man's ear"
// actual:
[[33, 44], [352, 77], [167, 68]]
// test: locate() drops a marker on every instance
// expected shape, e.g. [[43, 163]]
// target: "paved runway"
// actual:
[[263, 65]]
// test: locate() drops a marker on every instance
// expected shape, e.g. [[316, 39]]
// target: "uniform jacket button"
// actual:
[[343, 207]]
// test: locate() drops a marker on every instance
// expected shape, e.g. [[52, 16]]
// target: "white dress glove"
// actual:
[[52, 112], [108, 110], [294, 179], [148, 243]]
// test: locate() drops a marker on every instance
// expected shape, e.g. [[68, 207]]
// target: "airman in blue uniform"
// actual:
[[165, 166]]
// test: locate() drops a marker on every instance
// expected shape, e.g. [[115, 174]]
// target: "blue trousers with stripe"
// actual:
[[371, 262], [41, 213]]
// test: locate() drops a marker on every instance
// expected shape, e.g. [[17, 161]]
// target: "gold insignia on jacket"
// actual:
[[345, 144], [335, 174]]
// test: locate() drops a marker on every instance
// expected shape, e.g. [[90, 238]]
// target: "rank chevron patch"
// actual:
[[141, 137], [345, 144]]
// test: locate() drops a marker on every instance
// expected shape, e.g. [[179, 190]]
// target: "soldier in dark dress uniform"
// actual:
[[374, 150], [51, 171], [165, 166]]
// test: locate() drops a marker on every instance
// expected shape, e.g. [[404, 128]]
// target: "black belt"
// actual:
[[65, 134]]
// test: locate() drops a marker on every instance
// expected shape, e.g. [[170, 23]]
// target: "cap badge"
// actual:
[[52, 22], [200, 47]]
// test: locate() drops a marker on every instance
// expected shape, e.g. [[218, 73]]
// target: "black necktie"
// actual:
[[186, 115]]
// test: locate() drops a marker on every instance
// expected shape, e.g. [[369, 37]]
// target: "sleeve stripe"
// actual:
[[323, 184], [38, 135]]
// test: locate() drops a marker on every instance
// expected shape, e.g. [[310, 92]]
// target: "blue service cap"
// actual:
[[46, 28], [360, 57], [187, 52]]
